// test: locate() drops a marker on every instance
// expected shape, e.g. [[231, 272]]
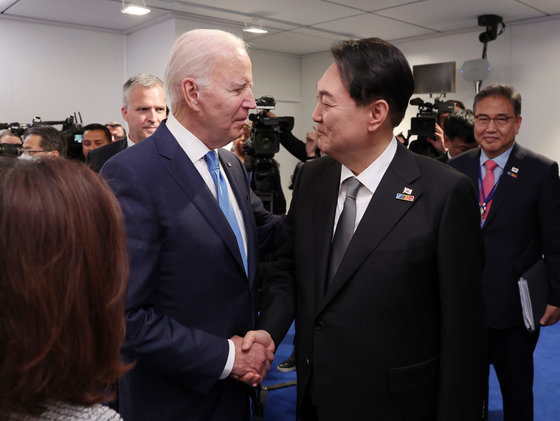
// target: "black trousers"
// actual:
[[510, 351], [308, 410]]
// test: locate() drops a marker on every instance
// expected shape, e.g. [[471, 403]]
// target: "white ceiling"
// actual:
[[295, 26]]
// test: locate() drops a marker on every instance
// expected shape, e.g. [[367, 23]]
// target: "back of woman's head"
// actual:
[[64, 269]]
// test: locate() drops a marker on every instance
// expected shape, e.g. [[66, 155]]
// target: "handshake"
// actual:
[[253, 356]]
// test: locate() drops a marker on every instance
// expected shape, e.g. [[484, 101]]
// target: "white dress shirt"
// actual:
[[370, 179]]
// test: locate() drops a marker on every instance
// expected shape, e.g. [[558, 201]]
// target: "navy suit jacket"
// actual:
[[522, 225], [188, 291], [97, 157], [400, 332]]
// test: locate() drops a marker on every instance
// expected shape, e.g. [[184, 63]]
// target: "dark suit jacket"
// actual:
[[523, 223], [400, 334], [187, 291], [97, 157], [443, 158]]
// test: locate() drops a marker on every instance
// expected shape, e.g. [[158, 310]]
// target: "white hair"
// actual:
[[192, 56]]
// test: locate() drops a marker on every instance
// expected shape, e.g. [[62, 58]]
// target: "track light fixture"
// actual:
[[255, 28], [135, 9]]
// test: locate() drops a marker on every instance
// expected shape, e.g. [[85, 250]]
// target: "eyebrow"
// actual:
[[325, 93], [242, 84]]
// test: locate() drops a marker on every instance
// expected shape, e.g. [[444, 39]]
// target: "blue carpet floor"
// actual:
[[280, 404]]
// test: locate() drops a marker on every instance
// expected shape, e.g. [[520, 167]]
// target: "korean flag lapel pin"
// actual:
[[513, 172], [406, 195]]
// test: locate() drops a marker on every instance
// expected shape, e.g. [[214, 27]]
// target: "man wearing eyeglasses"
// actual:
[[519, 197], [43, 140]]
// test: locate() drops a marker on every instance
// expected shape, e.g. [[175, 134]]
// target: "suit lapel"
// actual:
[[324, 209], [182, 170], [382, 214]]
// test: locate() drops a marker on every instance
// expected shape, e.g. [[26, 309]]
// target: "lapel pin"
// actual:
[[228, 164], [513, 172], [405, 197], [407, 190]]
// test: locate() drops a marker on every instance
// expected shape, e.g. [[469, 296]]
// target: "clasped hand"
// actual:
[[253, 356]]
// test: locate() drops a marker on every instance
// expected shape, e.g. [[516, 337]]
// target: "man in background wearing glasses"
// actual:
[[43, 140], [519, 197]]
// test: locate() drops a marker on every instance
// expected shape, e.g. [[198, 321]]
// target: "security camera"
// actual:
[[491, 23]]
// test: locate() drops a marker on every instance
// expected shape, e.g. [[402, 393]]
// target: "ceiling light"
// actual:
[[135, 9], [255, 28]]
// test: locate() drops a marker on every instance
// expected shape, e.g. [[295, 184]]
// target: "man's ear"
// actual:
[[191, 93], [446, 141], [379, 112], [124, 112]]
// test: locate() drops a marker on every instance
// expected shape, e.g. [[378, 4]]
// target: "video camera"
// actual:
[[71, 132], [264, 140], [424, 124]]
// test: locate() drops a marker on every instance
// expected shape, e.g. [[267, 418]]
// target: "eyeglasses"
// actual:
[[499, 121], [28, 152]]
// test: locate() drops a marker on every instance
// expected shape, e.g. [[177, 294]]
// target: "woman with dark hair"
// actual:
[[61, 299]]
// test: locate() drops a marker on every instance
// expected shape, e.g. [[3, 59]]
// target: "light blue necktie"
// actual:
[[223, 200]]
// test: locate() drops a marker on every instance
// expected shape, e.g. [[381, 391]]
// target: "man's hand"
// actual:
[[258, 336], [551, 316], [438, 141], [311, 140], [252, 362]]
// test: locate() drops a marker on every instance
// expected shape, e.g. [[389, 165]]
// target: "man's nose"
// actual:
[[249, 101], [317, 115]]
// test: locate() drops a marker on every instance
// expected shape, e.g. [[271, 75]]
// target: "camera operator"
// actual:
[[301, 150], [431, 144]]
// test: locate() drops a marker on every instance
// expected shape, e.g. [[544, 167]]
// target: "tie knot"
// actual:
[[490, 165], [212, 161], [352, 186]]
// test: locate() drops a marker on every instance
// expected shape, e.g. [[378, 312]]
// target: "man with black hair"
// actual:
[[94, 136], [519, 194], [44, 140], [458, 134], [381, 261]]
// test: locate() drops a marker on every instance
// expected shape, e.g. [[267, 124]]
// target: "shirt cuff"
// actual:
[[230, 360]]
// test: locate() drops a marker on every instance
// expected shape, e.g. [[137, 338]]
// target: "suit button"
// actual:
[[320, 325], [307, 362]]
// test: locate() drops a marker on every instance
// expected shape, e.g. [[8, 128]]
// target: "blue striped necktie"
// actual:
[[223, 200]]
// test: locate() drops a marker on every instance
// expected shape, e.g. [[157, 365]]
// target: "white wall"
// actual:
[[525, 56], [52, 72]]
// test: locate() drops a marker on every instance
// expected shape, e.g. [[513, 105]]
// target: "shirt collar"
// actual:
[[372, 175], [501, 159], [193, 147]]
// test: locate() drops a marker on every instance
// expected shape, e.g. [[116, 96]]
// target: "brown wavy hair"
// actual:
[[64, 266]]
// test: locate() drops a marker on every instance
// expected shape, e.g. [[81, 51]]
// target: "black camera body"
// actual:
[[9, 149], [264, 138], [424, 124]]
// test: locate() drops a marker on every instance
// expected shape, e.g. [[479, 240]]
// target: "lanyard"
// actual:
[[485, 199]]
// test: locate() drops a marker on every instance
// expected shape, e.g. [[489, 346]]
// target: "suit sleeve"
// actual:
[[190, 356], [278, 301], [549, 227], [463, 350]]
